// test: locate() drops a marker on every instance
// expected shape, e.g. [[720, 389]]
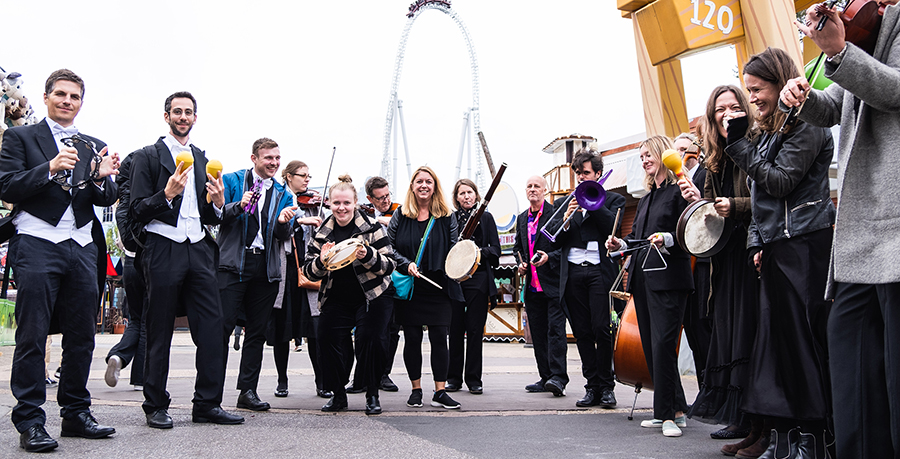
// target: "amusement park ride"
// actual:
[[471, 124]]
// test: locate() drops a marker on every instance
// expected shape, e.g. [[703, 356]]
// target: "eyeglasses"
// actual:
[[384, 198], [303, 176], [62, 177]]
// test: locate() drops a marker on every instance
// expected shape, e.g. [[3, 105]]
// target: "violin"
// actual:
[[369, 209], [862, 22], [310, 199]]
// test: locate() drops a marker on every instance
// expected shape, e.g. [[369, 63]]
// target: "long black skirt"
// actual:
[[789, 365], [734, 301]]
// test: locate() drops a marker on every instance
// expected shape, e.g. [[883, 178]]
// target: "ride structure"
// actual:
[[394, 126]]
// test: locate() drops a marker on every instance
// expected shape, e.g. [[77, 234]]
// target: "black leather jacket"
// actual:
[[789, 181]]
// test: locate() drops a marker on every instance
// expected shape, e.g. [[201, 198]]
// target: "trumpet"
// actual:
[[589, 194]]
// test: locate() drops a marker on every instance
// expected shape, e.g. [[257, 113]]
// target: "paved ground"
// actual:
[[503, 422]]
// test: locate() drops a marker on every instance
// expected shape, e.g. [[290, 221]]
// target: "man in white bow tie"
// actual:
[[252, 233], [54, 182], [178, 259]]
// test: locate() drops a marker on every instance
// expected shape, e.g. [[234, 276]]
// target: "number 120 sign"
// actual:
[[677, 28]]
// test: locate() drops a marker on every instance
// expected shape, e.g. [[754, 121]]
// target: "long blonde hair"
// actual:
[[656, 145], [438, 207]]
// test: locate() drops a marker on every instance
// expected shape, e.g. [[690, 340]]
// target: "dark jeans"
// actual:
[[335, 324], [547, 323], [864, 345], [587, 296], [53, 280], [252, 293], [133, 344], [467, 332], [182, 274], [412, 351]]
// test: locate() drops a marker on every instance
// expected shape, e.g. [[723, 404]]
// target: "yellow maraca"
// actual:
[[185, 157], [672, 161], [213, 168]]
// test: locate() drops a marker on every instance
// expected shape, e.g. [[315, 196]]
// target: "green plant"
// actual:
[[112, 234]]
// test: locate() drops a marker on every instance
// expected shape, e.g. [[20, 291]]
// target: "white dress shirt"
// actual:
[[591, 254], [259, 240], [188, 226], [64, 230]]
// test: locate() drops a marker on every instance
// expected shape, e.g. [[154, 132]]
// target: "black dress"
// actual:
[[734, 301]]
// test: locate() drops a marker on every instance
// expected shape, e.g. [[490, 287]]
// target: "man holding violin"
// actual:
[[864, 325]]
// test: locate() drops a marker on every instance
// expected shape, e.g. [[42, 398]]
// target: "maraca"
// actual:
[[672, 160], [213, 168], [185, 157]]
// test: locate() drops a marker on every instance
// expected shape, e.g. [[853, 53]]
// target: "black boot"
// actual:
[[812, 446], [783, 445]]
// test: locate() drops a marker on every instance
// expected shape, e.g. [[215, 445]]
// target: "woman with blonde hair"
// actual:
[[352, 296], [425, 229], [659, 277]]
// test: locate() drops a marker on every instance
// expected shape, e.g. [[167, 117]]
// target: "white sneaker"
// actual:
[[138, 388], [669, 429], [680, 421], [113, 366]]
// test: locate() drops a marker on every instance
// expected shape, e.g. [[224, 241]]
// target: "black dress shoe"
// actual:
[[608, 399], [388, 385], [336, 404], [555, 387], [84, 425], [324, 393], [372, 405], [36, 439], [536, 387], [477, 390], [281, 391], [351, 389], [450, 387], [159, 419], [590, 399], [725, 434], [216, 415], [248, 400]]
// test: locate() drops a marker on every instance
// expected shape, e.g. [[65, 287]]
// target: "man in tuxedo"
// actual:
[[586, 275], [546, 319], [697, 319], [179, 262], [249, 263], [54, 184]]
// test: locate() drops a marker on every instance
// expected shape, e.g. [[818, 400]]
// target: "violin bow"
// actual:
[[327, 178]]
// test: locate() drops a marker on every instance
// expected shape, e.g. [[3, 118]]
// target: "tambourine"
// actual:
[[701, 231], [342, 254], [462, 261]]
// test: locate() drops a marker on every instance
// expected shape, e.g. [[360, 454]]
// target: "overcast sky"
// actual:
[[317, 74]]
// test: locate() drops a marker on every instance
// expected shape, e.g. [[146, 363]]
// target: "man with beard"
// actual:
[[179, 262], [250, 237], [54, 184]]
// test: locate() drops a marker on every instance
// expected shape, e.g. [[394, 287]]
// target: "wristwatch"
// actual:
[[836, 59]]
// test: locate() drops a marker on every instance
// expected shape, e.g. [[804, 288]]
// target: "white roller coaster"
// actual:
[[471, 117]]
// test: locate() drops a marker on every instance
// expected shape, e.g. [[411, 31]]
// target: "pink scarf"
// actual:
[[532, 231]]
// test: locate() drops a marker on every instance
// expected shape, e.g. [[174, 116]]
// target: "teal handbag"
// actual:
[[403, 283]]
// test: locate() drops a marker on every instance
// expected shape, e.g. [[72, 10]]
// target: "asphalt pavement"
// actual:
[[503, 422]]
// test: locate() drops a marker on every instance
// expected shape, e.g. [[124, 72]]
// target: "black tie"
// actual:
[[265, 211]]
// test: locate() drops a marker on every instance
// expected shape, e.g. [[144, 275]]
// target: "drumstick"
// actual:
[[430, 282], [615, 227]]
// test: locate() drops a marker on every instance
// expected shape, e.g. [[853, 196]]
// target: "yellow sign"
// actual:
[[677, 28]]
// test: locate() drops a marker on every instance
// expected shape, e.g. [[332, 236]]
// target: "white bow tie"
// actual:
[[59, 131]]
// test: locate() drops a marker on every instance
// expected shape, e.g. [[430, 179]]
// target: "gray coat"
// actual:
[[865, 101]]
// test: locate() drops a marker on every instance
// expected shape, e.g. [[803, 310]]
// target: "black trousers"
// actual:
[[391, 341], [659, 315], [336, 322], [412, 351], [587, 294], [53, 280], [467, 332], [252, 293], [697, 321], [547, 323], [181, 275], [133, 345], [863, 346]]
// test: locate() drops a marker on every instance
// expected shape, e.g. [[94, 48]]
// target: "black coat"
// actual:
[[596, 225], [548, 273], [658, 212]]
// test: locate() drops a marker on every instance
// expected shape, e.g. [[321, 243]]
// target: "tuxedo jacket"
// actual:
[[548, 273], [150, 171], [595, 225], [25, 177]]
